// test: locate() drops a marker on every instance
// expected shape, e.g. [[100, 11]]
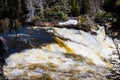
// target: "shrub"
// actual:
[[82, 19], [36, 18], [86, 22], [49, 14], [75, 7], [62, 16], [52, 10], [85, 7], [54, 14], [103, 17]]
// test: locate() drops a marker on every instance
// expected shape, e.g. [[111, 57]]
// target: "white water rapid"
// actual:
[[75, 55]]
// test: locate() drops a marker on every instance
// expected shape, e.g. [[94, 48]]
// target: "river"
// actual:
[[59, 54]]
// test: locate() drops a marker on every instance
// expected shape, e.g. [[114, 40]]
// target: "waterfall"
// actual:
[[72, 54]]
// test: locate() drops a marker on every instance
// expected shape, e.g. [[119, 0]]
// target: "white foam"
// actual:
[[53, 55], [69, 22]]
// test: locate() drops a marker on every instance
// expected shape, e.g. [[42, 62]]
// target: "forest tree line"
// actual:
[[14, 13]]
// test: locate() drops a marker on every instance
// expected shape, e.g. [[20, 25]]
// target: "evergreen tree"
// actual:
[[3, 9], [113, 7], [75, 8], [57, 10], [15, 11], [85, 6], [23, 12]]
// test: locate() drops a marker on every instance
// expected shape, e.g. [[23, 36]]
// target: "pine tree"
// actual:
[[85, 7], [3, 9], [23, 12], [113, 7], [56, 10], [15, 11], [75, 7]]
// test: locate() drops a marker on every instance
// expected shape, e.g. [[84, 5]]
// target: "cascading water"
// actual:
[[74, 55]]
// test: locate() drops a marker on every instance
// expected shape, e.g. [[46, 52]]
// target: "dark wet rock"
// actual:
[[17, 44], [3, 51], [94, 33], [3, 55], [28, 38], [35, 43]]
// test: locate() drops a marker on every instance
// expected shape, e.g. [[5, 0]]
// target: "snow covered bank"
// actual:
[[69, 22]]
